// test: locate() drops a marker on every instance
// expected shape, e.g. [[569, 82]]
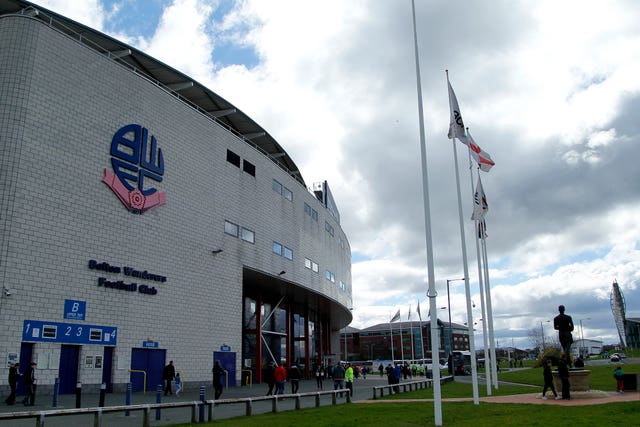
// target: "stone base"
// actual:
[[578, 380]]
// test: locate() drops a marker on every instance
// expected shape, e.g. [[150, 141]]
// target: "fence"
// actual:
[[198, 408], [412, 385]]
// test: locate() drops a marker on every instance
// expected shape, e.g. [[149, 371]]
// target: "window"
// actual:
[[287, 194], [277, 187], [247, 235], [233, 158], [330, 276], [277, 248], [288, 253], [311, 212], [307, 263], [311, 265], [249, 168], [314, 267], [328, 227], [231, 229]]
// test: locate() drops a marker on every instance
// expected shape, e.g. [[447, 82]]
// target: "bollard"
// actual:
[[127, 399], [78, 394], [56, 391], [201, 407], [158, 399], [103, 391]]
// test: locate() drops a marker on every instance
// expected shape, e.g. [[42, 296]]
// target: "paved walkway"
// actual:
[[594, 397]]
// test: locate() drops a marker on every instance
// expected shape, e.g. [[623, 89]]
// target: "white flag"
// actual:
[[418, 310], [395, 316], [409, 317], [456, 126], [480, 206]]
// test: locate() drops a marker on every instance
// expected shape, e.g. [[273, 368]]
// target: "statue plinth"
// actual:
[[578, 380]]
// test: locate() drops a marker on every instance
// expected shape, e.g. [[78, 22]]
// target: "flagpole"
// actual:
[[487, 359], [487, 289], [431, 293], [391, 329], [472, 347], [413, 354]]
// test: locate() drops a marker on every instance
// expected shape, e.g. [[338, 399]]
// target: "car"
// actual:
[[617, 357]]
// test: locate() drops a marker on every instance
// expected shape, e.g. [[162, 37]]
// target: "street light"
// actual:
[[582, 335], [542, 331]]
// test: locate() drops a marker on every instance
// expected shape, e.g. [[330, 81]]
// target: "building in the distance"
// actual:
[[405, 340], [143, 219]]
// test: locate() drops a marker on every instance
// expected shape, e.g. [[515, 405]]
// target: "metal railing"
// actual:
[[412, 385], [197, 407]]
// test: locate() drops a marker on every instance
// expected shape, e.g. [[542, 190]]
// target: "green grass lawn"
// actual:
[[463, 413]]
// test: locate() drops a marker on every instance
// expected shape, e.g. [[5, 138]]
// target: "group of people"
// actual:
[[276, 376], [169, 375], [29, 378]]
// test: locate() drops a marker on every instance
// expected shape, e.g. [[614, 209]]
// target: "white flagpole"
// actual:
[[435, 352], [413, 354], [391, 329], [472, 347], [487, 360], [487, 289]]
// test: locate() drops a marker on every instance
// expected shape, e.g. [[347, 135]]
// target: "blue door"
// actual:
[[107, 366], [228, 362], [26, 352], [68, 369], [150, 361]]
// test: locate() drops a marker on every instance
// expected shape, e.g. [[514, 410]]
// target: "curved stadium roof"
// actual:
[[176, 83]]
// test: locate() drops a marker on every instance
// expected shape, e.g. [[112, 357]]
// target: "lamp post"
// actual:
[[582, 335], [542, 331]]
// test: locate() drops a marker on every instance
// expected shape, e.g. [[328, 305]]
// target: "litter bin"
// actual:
[[630, 381]]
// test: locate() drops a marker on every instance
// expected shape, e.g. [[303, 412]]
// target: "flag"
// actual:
[[409, 317], [482, 229], [418, 310], [480, 206], [395, 317], [479, 155], [456, 126]]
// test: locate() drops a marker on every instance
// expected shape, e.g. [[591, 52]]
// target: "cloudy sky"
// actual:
[[550, 89]]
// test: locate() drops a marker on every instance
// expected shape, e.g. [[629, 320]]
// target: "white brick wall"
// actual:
[[60, 105]]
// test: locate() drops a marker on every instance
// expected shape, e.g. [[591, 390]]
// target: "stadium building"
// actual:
[[145, 219]]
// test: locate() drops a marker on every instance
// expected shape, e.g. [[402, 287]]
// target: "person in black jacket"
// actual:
[[14, 374], [267, 376], [30, 385], [168, 374], [563, 373], [294, 378], [548, 381]]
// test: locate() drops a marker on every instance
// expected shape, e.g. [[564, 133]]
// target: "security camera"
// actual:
[[7, 292]]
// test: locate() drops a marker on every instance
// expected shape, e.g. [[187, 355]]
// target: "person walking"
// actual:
[[217, 371], [381, 369], [178, 384], [320, 374], [348, 379], [267, 376], [280, 377], [168, 374], [294, 378], [30, 385], [14, 374], [548, 381], [618, 374], [563, 373], [338, 377]]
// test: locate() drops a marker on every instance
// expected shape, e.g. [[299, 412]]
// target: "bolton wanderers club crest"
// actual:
[[137, 164]]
